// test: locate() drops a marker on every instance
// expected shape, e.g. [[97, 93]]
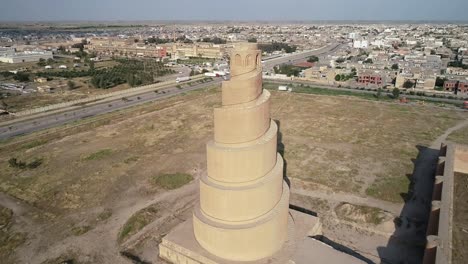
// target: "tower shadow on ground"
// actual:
[[280, 149], [406, 245]]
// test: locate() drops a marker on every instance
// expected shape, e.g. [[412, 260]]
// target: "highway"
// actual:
[[299, 57], [93, 109], [85, 111]]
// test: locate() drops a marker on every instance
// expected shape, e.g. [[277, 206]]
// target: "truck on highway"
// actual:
[[211, 74], [465, 105], [220, 73], [216, 74], [182, 79]]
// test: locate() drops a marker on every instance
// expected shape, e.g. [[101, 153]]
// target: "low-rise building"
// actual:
[[125, 48], [371, 78], [202, 50], [456, 86], [320, 74], [11, 56]]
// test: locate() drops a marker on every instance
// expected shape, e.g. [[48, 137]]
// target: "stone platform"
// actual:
[[181, 247]]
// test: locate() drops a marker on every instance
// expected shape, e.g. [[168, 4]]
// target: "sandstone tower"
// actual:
[[243, 214], [243, 209]]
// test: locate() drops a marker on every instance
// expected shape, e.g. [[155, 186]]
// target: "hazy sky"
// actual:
[[53, 10]]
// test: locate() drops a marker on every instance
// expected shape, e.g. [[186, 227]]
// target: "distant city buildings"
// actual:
[[125, 48], [9, 55], [201, 50], [361, 44]]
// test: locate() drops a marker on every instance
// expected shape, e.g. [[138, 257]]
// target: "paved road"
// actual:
[[269, 64], [85, 111]]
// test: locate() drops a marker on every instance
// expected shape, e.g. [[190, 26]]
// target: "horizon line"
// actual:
[[239, 21]]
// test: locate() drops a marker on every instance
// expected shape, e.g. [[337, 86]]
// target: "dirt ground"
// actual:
[[348, 160]]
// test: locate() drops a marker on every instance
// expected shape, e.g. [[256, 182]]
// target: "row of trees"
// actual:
[[458, 64], [277, 46], [289, 70], [214, 40], [346, 77], [157, 40], [69, 74], [313, 59], [133, 72], [20, 76]]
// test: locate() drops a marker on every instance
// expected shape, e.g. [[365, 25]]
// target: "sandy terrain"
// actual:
[[349, 160]]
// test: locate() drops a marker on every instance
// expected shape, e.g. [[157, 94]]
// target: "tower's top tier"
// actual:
[[245, 58]]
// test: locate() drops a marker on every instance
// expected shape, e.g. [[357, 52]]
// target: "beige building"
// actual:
[[420, 80], [203, 50], [320, 74], [112, 46]]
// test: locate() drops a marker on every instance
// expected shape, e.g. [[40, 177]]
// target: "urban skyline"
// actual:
[[209, 10]]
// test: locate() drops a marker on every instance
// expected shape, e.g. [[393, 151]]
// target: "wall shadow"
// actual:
[[302, 210], [407, 243], [133, 258], [342, 248]]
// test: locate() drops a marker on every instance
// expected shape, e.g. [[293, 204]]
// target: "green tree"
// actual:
[[91, 65], [313, 59], [440, 81], [340, 60], [408, 84], [252, 40], [379, 93], [338, 77], [42, 62], [61, 49], [395, 66], [396, 93], [22, 77]]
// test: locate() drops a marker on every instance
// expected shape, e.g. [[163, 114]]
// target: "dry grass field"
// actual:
[[99, 188]]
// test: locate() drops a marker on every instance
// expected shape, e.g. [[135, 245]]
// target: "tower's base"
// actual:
[[181, 247]]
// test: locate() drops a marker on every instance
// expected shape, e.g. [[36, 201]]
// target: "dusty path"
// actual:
[[100, 243], [393, 208]]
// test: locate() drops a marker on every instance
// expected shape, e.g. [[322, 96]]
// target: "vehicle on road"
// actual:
[[216, 74], [182, 79], [210, 74]]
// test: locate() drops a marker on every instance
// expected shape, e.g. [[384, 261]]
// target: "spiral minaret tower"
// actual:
[[243, 210]]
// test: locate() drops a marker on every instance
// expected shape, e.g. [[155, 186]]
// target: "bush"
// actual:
[[396, 93], [22, 77], [172, 181], [99, 154], [15, 163]]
